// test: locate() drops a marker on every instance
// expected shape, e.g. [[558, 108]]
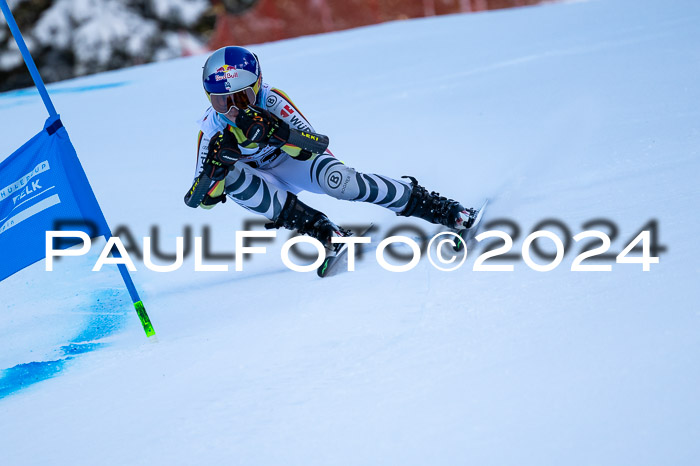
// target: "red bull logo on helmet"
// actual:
[[226, 72]]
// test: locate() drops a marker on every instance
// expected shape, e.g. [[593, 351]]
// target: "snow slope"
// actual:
[[573, 111]]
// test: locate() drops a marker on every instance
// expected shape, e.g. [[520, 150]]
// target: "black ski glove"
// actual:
[[212, 201], [262, 127], [223, 153]]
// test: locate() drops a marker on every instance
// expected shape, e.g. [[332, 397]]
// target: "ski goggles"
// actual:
[[223, 103]]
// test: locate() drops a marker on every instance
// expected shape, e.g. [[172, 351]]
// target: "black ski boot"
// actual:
[[295, 215], [437, 209]]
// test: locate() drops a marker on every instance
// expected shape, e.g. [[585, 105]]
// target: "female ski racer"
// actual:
[[245, 153]]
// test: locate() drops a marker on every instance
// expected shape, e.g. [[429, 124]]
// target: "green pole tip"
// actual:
[[145, 320]]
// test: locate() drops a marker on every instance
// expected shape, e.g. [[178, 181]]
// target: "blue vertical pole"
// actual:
[[53, 115], [28, 60], [138, 304]]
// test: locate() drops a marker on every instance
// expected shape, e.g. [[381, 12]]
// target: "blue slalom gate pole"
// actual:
[[28, 60], [138, 304], [39, 83]]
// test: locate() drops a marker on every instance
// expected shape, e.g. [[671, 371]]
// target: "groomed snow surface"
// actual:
[[573, 111]]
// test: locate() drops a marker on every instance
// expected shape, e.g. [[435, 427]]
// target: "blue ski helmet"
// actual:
[[232, 77]]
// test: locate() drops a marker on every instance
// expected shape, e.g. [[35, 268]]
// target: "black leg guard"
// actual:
[[434, 208], [295, 215]]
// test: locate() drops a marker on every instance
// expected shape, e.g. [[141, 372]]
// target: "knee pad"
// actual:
[[340, 181]]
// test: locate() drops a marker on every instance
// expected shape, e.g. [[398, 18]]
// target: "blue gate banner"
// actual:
[[42, 183]]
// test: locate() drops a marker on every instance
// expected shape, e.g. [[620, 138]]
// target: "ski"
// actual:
[[332, 258], [467, 234]]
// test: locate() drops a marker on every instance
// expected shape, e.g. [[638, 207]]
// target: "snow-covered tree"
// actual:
[[75, 37]]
